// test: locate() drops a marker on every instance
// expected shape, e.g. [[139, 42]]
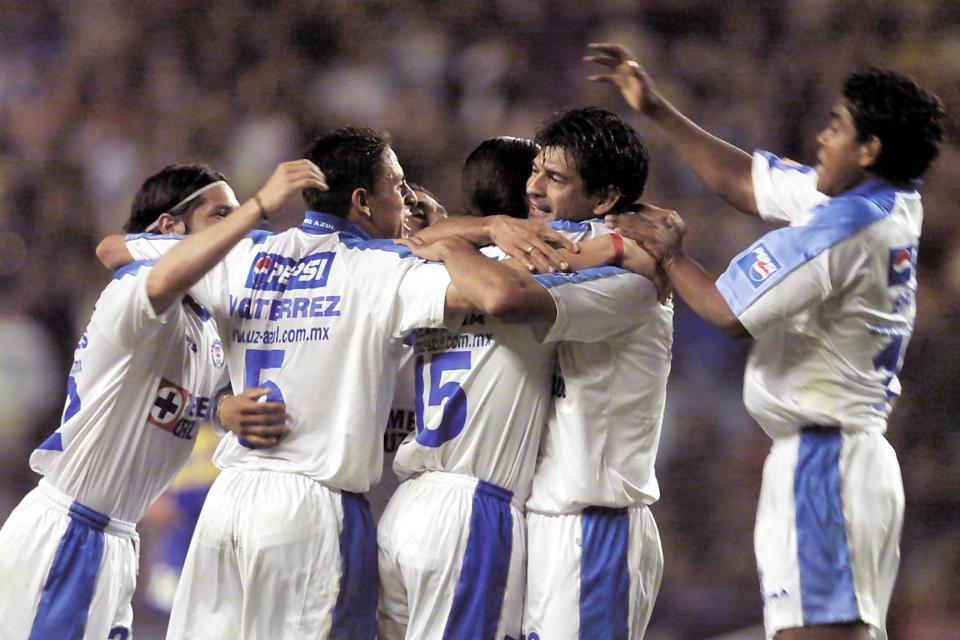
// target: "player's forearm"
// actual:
[[474, 229], [699, 291], [725, 169], [495, 289], [194, 256]]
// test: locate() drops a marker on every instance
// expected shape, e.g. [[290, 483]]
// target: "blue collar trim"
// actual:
[[322, 223]]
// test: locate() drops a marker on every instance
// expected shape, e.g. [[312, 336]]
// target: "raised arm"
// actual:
[[725, 169], [660, 232], [187, 262]]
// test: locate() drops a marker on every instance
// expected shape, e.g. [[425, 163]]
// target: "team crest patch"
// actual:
[[168, 406], [758, 265], [216, 354], [901, 265]]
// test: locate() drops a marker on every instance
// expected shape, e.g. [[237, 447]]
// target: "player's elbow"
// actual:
[[520, 302], [733, 328], [161, 288], [500, 301], [112, 252]]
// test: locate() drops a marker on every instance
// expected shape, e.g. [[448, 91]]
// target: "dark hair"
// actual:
[[350, 158], [494, 176], [908, 120], [606, 151], [162, 191]]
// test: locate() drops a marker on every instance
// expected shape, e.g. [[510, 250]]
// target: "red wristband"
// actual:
[[617, 248]]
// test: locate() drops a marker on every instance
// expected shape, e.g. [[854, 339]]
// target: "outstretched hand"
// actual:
[[260, 423], [659, 231], [288, 179], [530, 242], [626, 74]]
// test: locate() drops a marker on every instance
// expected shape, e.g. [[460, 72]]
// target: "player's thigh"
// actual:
[[601, 551], [552, 604], [29, 539], [433, 558], [209, 598], [873, 505], [288, 533], [645, 559], [111, 610]]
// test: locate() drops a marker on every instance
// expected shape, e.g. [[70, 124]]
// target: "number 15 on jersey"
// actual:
[[445, 401]]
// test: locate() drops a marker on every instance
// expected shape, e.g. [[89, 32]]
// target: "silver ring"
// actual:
[[529, 250]]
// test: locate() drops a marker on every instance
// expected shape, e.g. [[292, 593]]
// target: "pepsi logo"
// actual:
[[758, 264], [901, 265]]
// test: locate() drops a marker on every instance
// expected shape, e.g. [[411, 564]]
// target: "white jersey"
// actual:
[[481, 395], [318, 315], [140, 384], [601, 440], [830, 300]]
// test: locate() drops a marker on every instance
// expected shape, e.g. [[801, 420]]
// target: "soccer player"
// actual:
[[595, 560], [317, 314], [595, 478], [494, 176], [144, 372], [830, 301], [452, 541]]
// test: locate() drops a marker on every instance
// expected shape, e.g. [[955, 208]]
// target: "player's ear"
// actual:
[[168, 224], [606, 200], [870, 152], [359, 201]]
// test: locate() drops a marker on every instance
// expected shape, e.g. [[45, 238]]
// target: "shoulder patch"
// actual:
[[758, 265]]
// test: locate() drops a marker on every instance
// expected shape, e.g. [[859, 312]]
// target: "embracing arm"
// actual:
[[725, 169], [113, 253], [527, 241], [193, 257], [660, 232], [479, 284]]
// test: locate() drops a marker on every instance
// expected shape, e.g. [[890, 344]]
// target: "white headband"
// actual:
[[196, 194]]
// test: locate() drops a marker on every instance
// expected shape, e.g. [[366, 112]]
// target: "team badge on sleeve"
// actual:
[[216, 354], [758, 264], [901, 265]]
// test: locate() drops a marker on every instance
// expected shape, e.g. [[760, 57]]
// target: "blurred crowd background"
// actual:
[[95, 95]]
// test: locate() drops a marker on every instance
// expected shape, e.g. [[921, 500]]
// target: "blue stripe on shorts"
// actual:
[[68, 591], [604, 580], [826, 579], [478, 598], [355, 614]]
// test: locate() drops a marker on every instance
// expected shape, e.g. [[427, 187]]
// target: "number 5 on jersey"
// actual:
[[448, 396], [255, 362]]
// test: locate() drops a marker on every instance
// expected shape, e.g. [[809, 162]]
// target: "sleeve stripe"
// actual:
[[550, 280]]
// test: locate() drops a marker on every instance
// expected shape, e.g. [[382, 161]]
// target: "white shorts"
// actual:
[[278, 555], [451, 560], [828, 530], [593, 574], [66, 571]]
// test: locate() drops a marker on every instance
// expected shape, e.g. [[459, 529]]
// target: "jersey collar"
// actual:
[[322, 223]]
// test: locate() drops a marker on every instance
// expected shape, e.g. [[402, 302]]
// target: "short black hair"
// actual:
[[350, 158], [606, 151], [494, 176], [162, 191], [908, 120]]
